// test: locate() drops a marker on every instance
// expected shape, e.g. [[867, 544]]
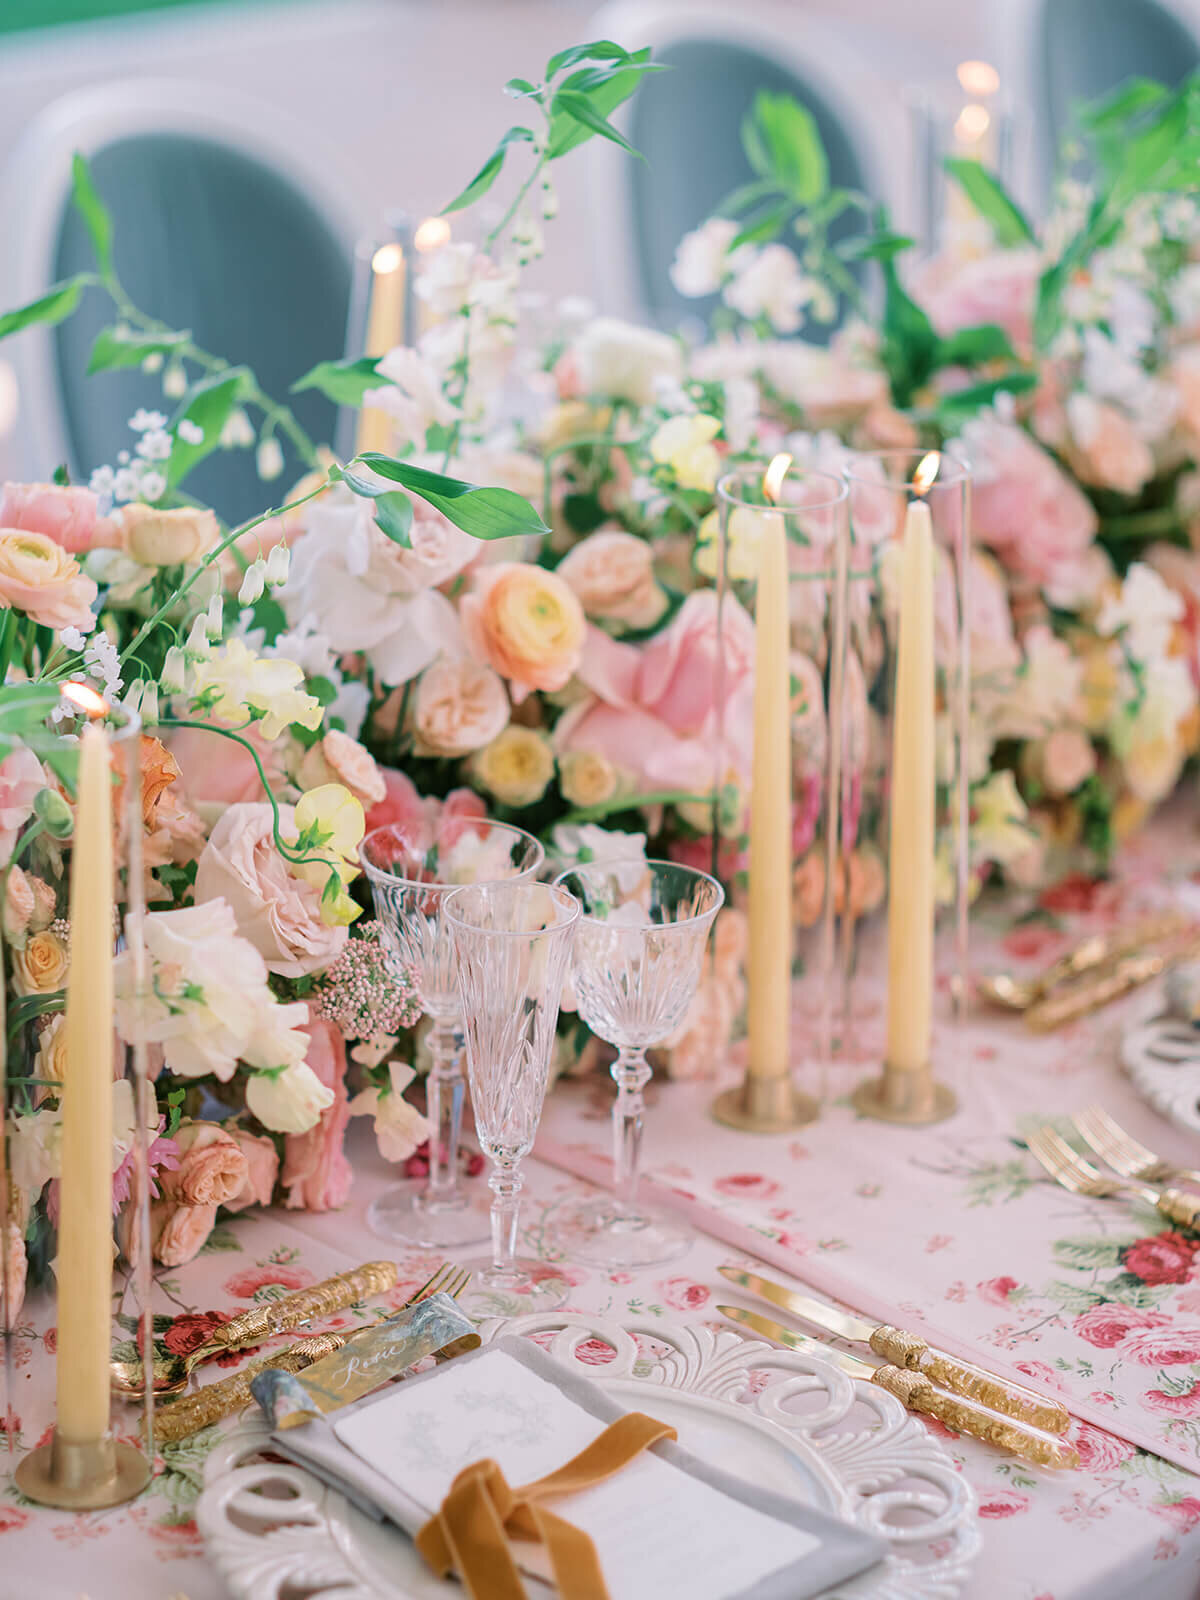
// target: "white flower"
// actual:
[[413, 394], [214, 617], [238, 432], [174, 675], [142, 698], [290, 1101], [619, 360], [155, 445], [143, 421], [769, 284], [1110, 373], [175, 387], [701, 261], [209, 1004], [741, 412], [190, 432], [399, 1127], [444, 278], [1143, 612], [269, 459], [578, 844], [152, 486], [278, 562], [35, 1150], [253, 582], [101, 482], [72, 638]]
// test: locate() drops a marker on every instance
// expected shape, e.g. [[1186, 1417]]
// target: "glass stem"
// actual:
[[631, 1073], [444, 1091], [505, 1183]]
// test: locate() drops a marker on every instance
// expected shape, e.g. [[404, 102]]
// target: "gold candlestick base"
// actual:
[[765, 1105], [911, 1098], [83, 1477]]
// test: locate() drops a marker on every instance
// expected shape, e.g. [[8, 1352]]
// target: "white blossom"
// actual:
[[269, 459], [253, 583], [702, 261], [190, 432]]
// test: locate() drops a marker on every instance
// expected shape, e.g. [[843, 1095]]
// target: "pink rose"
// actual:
[[1161, 1258], [211, 1170], [526, 623], [1065, 759], [21, 779], [459, 706], [1186, 1404], [1041, 1372], [995, 1504], [594, 1353], [421, 818], [251, 1282], [69, 516], [1100, 1451], [1024, 506], [262, 1168], [1184, 1513], [316, 1174], [179, 1231], [216, 772], [278, 913], [612, 572], [997, 1290], [1166, 1347], [1106, 450], [747, 1186], [998, 288], [654, 710], [683, 1294], [1105, 1326]]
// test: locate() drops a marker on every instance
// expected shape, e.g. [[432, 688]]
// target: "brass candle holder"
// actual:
[[84, 1476], [901, 1096], [765, 1105]]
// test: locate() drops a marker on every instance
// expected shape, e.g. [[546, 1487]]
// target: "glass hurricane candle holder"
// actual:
[[781, 581], [882, 937]]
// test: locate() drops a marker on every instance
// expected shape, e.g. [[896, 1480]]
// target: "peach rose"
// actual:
[[21, 779], [19, 905], [459, 706], [39, 578], [612, 573], [279, 913], [1067, 759], [1024, 506], [526, 623], [337, 758], [212, 1168], [42, 966], [1106, 450], [45, 903], [262, 1168], [69, 516], [51, 1059], [808, 889], [316, 1173], [1184, 375], [157, 538], [179, 1232], [586, 778]]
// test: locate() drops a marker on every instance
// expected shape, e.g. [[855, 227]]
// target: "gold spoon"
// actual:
[[172, 1372], [1008, 993]]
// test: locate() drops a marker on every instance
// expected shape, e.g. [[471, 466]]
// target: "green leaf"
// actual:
[[208, 405], [489, 171], [344, 382], [518, 88], [747, 195], [970, 347], [54, 306], [598, 50], [25, 706], [1129, 98], [122, 347], [909, 343], [988, 195], [566, 132], [393, 510], [578, 104], [787, 138], [93, 211], [1086, 1252], [953, 409], [483, 513], [221, 1239], [768, 225]]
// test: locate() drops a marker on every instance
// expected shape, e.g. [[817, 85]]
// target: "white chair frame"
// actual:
[[881, 141], [35, 188]]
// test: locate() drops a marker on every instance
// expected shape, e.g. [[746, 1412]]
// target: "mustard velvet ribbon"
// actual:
[[481, 1513]]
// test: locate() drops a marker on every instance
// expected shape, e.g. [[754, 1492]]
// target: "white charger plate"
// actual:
[[772, 1416], [1161, 1054]]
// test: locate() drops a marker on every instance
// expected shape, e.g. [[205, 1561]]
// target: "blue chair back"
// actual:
[[210, 239], [686, 122]]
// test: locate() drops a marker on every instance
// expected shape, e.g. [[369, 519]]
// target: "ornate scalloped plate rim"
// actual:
[[1171, 1086], [855, 1468]]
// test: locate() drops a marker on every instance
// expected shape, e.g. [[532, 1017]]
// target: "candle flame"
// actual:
[[978, 78], [86, 699], [973, 122], [387, 259], [927, 471], [774, 475], [432, 234]]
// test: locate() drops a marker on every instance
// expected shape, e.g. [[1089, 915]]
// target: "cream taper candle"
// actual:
[[911, 851], [385, 330], [769, 968], [83, 1270]]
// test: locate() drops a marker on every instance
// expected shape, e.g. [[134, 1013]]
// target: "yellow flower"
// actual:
[[1000, 829], [586, 779], [516, 767], [685, 445], [157, 538], [42, 966], [233, 682], [743, 540], [333, 818]]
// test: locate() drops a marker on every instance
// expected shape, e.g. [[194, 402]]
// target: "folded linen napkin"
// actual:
[[668, 1523]]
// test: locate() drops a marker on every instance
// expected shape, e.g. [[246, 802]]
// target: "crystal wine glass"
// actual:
[[513, 942], [636, 965], [412, 868]]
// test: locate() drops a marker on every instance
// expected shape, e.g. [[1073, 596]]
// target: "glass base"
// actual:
[[530, 1286], [603, 1233], [407, 1215]]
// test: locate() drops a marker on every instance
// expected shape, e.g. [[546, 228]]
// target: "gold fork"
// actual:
[[1122, 1151], [179, 1419], [1081, 1177]]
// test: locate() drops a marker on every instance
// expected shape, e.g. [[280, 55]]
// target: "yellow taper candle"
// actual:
[[769, 969], [84, 1268], [910, 860], [385, 330]]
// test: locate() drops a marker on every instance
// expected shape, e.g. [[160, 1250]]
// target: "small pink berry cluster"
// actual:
[[366, 991]]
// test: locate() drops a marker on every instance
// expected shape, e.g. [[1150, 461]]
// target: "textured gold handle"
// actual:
[[306, 1305], [1179, 1207], [181, 1418], [916, 1392], [961, 1377], [1090, 994], [1102, 948]]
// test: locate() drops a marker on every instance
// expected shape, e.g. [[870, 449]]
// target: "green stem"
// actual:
[[636, 802], [7, 629], [1142, 524]]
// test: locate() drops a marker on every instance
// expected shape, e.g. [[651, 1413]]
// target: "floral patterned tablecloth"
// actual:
[[949, 1226]]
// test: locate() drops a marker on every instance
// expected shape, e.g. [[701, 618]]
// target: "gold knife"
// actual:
[[907, 1350], [1075, 1000], [916, 1393]]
